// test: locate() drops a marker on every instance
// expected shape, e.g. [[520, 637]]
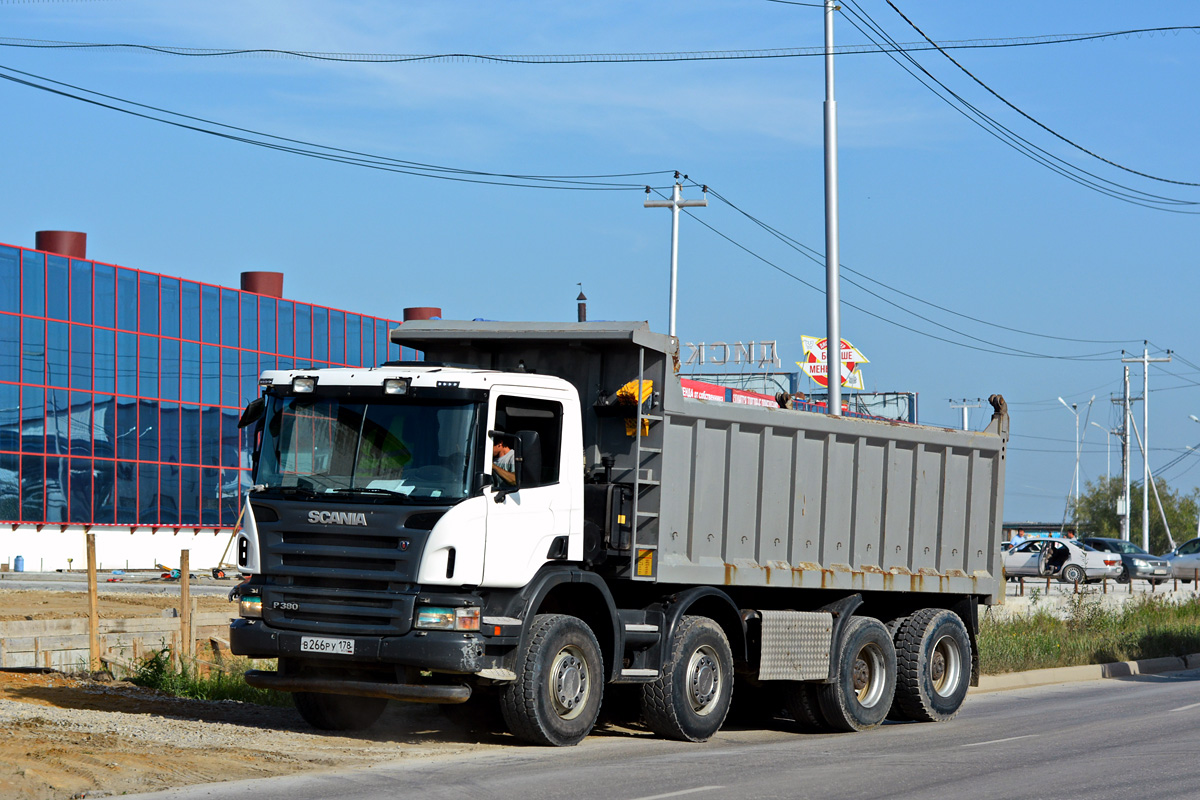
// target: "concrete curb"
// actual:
[[1090, 672]]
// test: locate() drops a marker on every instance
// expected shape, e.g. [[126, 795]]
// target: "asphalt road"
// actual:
[[1133, 737]]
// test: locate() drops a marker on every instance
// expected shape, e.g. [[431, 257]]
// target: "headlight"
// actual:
[[1141, 562], [448, 619], [250, 608], [304, 384]]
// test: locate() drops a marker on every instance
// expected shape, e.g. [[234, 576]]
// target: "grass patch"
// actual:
[[158, 671], [1089, 634]]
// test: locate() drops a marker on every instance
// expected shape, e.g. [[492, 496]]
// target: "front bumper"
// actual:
[[412, 693], [1150, 572], [438, 651]]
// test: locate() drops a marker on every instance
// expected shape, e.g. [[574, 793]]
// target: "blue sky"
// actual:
[[930, 203]]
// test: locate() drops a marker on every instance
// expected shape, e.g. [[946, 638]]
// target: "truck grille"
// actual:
[[341, 580]]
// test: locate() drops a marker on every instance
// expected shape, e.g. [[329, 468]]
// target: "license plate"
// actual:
[[320, 644], [1160, 572]]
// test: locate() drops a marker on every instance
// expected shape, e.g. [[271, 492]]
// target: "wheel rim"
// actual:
[[704, 680], [945, 666], [570, 682], [869, 674]]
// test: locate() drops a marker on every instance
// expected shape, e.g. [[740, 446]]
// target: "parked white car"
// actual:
[[1185, 560], [1065, 559]]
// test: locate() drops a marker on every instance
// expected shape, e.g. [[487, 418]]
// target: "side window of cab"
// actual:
[[537, 425]]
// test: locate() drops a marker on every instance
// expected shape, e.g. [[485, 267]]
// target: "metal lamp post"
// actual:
[[1107, 450], [1074, 409]]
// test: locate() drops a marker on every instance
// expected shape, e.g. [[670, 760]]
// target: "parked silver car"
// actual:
[[1135, 562], [1065, 559], [1185, 561]]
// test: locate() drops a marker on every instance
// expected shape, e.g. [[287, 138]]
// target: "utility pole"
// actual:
[[675, 203], [1145, 437], [964, 405], [1125, 528], [833, 319]]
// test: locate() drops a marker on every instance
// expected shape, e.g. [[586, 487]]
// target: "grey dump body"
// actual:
[[743, 496]]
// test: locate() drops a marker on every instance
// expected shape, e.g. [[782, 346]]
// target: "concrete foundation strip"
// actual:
[[1089, 672]]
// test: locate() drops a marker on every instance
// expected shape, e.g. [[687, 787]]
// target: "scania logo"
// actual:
[[337, 518]]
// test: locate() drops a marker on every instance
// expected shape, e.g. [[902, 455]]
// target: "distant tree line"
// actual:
[[1097, 513]]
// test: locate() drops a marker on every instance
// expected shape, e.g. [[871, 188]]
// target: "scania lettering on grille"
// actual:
[[337, 518]]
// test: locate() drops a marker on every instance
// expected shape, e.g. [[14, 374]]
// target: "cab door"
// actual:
[[524, 524]]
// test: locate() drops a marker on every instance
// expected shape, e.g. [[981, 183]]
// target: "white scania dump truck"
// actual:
[[832, 567]]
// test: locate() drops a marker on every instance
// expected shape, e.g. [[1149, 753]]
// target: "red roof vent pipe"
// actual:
[[268, 283], [422, 312], [72, 244]]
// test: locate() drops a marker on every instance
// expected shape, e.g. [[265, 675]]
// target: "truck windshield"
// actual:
[[403, 450]]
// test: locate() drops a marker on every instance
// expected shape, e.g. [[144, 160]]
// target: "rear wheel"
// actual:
[[805, 707], [556, 697], [1073, 573], [338, 712], [861, 694], [690, 699], [933, 666]]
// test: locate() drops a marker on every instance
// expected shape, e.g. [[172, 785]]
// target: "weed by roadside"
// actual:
[[1089, 634], [158, 671]]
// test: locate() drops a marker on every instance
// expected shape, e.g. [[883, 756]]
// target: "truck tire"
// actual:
[[338, 712], [805, 707], [933, 665], [896, 713], [691, 698], [560, 681], [861, 694]]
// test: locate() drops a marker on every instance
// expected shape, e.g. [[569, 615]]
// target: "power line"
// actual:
[[1006, 351], [1006, 135], [1044, 127], [337, 154], [818, 257], [596, 58]]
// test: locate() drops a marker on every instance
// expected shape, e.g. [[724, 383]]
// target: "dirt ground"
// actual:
[[65, 736]]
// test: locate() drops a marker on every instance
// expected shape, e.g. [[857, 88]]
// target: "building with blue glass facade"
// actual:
[[120, 393]]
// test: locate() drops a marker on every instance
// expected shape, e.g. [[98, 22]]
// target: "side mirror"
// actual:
[[253, 413]]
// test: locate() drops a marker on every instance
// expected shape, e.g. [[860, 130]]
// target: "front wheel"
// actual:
[[1123, 577], [862, 690], [690, 699], [560, 681], [338, 712]]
